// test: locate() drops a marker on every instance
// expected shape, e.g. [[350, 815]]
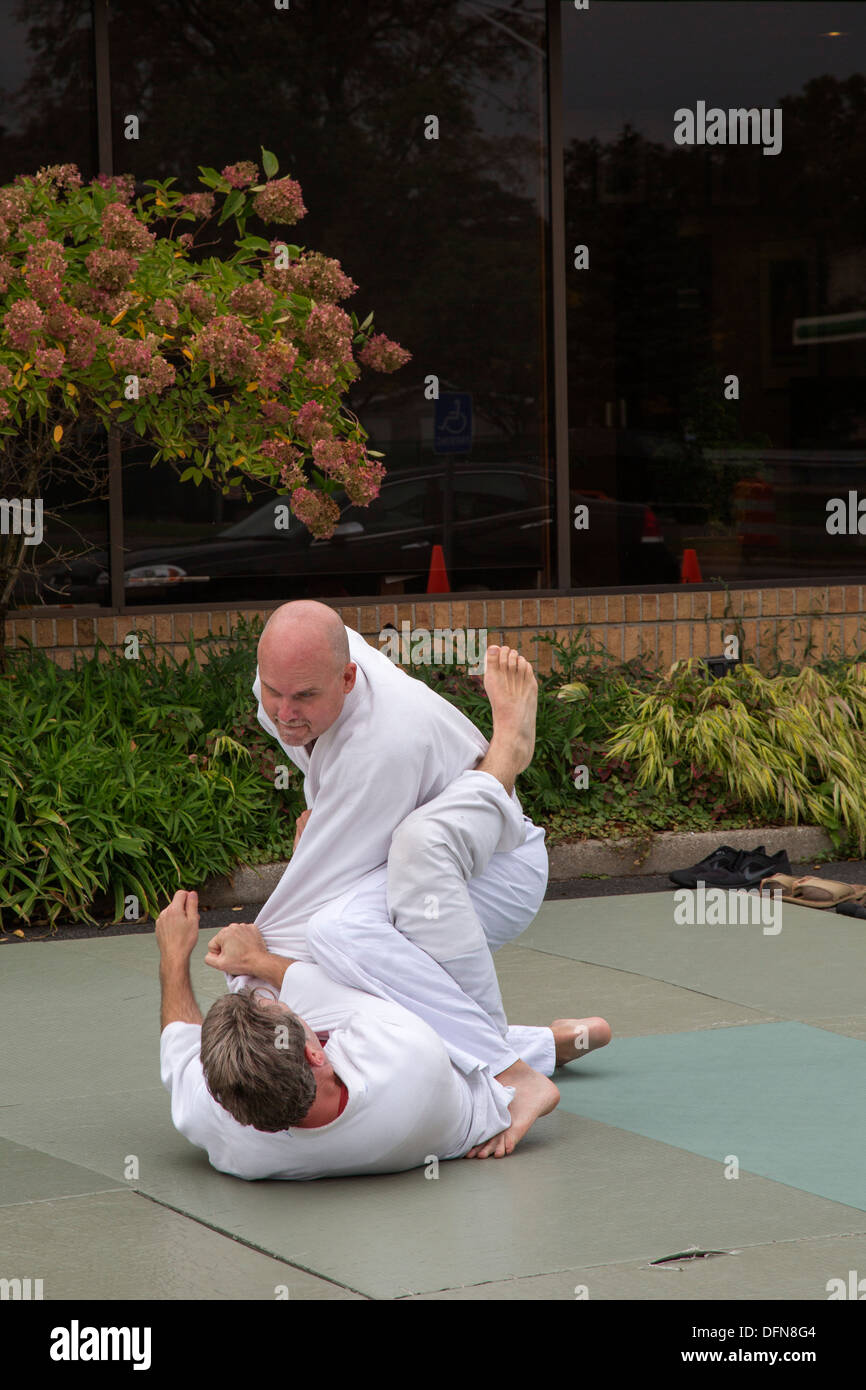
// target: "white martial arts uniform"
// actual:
[[406, 1101], [417, 1081], [394, 748]]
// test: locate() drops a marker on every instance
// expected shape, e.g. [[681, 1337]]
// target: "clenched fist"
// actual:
[[237, 949]]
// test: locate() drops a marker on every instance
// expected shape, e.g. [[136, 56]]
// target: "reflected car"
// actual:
[[496, 523]]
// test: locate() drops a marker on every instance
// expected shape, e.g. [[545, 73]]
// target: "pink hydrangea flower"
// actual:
[[63, 175], [383, 355], [5, 376], [275, 413], [199, 301], [43, 271], [49, 361], [122, 184], [199, 204], [165, 313], [253, 299], [328, 456], [361, 475], [241, 175], [320, 373], [276, 363], [110, 270], [310, 422], [319, 277], [228, 346], [22, 321], [7, 273], [121, 228], [280, 201], [328, 333], [315, 510], [160, 376]]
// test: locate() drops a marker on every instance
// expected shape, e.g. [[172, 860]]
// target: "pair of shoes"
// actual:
[[852, 908], [733, 868]]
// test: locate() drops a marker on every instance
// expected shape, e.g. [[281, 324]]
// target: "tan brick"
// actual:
[[615, 608], [817, 600], [700, 605], [750, 640], [717, 603], [65, 632], [700, 639], [769, 602], [104, 653], [45, 632], [632, 608], [666, 644], [511, 615], [750, 603], [547, 613], [64, 658], [853, 599], [614, 641], [85, 630], [579, 610], [368, 619], [851, 632], [476, 613], [201, 624], [649, 607], [598, 608], [565, 610], [182, 624], [787, 601], [632, 642], [529, 612], [682, 641], [165, 628], [512, 638], [105, 629], [459, 614], [666, 606], [836, 599], [545, 659]]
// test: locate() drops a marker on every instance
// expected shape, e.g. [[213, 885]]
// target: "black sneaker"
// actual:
[[727, 868], [725, 857]]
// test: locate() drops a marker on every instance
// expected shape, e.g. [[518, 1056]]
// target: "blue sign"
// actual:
[[452, 423]]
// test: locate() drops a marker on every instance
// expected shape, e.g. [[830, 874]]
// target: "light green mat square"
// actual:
[[785, 1099], [813, 968]]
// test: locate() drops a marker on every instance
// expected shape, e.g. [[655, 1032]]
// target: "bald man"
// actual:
[[375, 747]]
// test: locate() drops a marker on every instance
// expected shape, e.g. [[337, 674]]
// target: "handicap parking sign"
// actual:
[[452, 423]]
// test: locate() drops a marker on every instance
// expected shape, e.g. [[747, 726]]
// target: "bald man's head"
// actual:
[[305, 670]]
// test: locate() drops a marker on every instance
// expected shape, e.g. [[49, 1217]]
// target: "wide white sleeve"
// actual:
[[363, 795], [181, 1072]]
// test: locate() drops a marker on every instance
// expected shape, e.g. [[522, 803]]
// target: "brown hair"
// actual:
[[254, 1064]]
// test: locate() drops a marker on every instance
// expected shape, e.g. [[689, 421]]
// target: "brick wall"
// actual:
[[803, 624]]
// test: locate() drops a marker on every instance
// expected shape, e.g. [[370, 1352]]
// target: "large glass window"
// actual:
[[445, 238], [714, 158]]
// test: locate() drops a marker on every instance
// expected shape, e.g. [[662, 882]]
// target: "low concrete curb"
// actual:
[[584, 858]]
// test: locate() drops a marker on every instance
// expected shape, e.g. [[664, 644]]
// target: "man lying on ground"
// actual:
[[329, 1080]]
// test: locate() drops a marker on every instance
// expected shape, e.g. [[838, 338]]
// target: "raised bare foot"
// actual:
[[513, 693], [534, 1095], [574, 1037]]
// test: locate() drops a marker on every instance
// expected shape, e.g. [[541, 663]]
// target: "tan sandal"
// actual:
[[823, 893]]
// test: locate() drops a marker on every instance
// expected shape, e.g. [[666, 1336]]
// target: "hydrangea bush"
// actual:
[[233, 368]]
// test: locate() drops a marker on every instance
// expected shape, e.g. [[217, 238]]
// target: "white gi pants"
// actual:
[[466, 873]]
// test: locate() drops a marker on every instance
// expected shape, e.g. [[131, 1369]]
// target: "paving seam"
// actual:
[[259, 1249], [60, 1197], [659, 980]]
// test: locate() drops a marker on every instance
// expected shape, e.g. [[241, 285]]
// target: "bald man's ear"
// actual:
[[349, 675]]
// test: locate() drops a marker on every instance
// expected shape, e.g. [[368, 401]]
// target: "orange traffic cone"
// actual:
[[691, 570], [437, 580]]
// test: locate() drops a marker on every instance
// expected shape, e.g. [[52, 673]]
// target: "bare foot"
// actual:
[[534, 1095], [513, 692], [574, 1037]]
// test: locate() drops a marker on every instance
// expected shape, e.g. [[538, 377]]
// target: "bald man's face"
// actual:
[[303, 686]]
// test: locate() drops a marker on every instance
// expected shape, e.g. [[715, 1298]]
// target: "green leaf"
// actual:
[[234, 201], [270, 162]]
